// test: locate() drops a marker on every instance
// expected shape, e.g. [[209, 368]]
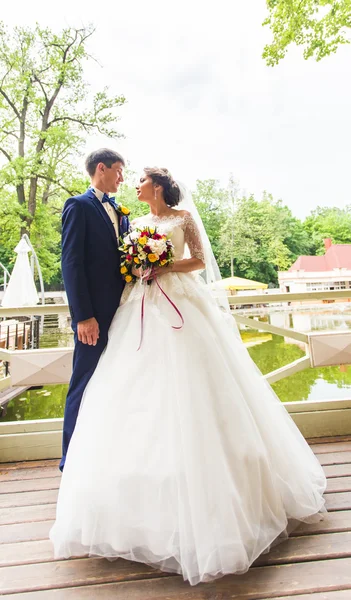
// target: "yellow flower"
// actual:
[[136, 260], [125, 210], [163, 262], [152, 257], [142, 240], [128, 278], [124, 270], [152, 230]]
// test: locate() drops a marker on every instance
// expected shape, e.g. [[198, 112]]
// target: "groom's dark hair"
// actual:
[[105, 156]]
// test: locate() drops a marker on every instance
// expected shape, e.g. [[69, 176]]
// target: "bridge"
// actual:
[[313, 564]]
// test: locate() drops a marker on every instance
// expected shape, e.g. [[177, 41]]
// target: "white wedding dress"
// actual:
[[182, 457]]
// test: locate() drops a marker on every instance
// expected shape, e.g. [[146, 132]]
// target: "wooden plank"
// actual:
[[51, 470], [40, 309], [332, 522], [136, 591], [337, 470], [26, 553], [31, 426], [25, 532], [153, 590], [33, 485], [9, 393], [69, 573], [338, 484], [334, 458], [327, 440], [321, 422], [298, 549], [27, 514], [338, 501], [305, 548], [331, 447], [28, 498], [314, 406], [259, 583], [340, 595], [38, 445], [29, 464], [22, 474]]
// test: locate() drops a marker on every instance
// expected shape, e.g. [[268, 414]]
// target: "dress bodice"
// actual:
[[182, 230]]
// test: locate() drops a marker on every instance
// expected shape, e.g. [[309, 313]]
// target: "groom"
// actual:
[[91, 225]]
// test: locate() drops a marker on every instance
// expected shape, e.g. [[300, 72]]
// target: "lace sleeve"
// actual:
[[192, 238]]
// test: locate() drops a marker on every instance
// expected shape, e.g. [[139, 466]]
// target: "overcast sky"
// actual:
[[202, 102]]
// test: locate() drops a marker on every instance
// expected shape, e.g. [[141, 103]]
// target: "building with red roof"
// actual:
[[331, 271]]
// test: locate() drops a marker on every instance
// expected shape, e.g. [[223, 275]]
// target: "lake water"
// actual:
[[269, 352]]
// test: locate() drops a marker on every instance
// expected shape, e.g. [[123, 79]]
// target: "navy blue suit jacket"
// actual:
[[91, 260]]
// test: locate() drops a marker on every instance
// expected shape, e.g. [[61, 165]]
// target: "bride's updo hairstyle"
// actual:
[[171, 192]]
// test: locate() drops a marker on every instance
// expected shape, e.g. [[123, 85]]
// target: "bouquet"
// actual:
[[145, 249]]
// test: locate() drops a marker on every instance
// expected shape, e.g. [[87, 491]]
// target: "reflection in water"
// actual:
[[311, 384], [269, 352]]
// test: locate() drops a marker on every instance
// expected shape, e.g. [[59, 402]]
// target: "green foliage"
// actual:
[[320, 26], [264, 237], [334, 223], [44, 123], [212, 201]]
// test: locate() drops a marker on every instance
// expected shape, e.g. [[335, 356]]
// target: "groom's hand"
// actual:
[[88, 331]]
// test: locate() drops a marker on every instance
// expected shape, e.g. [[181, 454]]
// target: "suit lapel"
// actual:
[[98, 205]]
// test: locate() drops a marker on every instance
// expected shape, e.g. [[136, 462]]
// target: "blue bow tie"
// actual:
[[106, 198]]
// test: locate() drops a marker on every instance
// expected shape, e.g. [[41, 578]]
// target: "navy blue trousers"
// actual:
[[85, 360]]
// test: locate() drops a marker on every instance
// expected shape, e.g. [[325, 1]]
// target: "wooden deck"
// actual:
[[314, 564]]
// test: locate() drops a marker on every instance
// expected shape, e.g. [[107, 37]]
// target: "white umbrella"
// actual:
[[21, 290]]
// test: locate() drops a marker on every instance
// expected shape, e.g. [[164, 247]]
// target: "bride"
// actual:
[[182, 457]]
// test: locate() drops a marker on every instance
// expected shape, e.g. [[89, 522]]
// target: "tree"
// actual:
[[43, 125], [320, 26], [334, 223], [211, 201], [267, 238]]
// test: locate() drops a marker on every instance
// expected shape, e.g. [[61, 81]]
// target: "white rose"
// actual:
[[157, 246], [134, 235]]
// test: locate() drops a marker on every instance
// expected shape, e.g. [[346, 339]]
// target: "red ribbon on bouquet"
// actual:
[[142, 312]]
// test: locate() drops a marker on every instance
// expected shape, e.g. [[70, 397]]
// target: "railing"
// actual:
[[29, 440], [6, 275], [14, 335], [319, 352]]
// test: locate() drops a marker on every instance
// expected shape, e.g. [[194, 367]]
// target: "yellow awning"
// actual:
[[239, 283]]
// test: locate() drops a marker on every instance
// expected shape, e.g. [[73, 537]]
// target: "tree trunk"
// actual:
[[21, 196], [232, 251], [33, 187], [20, 193]]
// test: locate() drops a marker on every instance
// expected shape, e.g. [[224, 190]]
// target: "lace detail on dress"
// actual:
[[192, 237]]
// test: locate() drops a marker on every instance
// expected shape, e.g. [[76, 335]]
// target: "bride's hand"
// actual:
[[162, 271], [136, 272]]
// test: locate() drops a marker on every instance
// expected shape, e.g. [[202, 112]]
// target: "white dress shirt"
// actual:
[[110, 211]]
